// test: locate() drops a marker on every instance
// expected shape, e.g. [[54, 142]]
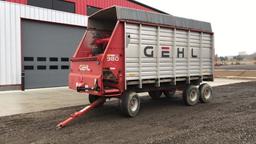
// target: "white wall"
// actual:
[[10, 34]]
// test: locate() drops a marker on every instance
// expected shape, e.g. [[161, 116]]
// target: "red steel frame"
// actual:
[[81, 112], [115, 47]]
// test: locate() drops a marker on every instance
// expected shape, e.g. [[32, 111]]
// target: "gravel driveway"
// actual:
[[230, 118]]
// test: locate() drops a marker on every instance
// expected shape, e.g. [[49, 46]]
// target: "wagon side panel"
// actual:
[[155, 54]]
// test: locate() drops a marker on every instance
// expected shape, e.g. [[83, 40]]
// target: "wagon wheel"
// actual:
[[93, 98], [170, 93], [155, 94], [205, 93], [130, 104], [191, 95]]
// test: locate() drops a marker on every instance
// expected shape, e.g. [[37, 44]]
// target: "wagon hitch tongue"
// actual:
[[75, 115]]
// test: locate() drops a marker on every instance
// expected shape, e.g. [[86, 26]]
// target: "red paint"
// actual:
[[109, 3], [83, 58], [116, 47], [165, 48], [102, 41], [83, 111], [18, 1], [81, 5]]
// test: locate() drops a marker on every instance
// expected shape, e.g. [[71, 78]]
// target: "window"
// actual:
[[40, 59], [63, 59], [63, 6], [53, 59], [64, 67], [29, 67], [53, 67], [91, 10], [41, 67], [28, 59], [41, 3], [60, 5]]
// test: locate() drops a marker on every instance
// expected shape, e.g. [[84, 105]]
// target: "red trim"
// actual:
[[166, 48], [18, 1], [102, 41], [81, 5], [83, 111], [110, 40], [124, 3], [115, 47], [111, 91]]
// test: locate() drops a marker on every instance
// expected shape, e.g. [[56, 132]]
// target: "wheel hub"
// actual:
[[134, 104], [193, 96], [207, 93]]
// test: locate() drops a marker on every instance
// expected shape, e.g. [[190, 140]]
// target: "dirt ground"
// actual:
[[230, 118], [242, 74], [237, 67], [238, 71]]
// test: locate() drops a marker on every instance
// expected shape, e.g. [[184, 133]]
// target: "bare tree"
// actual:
[[238, 59]]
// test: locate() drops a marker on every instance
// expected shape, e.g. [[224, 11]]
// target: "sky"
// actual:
[[233, 21]]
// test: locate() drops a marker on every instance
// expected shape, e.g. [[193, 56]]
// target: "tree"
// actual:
[[223, 59], [239, 58], [226, 58]]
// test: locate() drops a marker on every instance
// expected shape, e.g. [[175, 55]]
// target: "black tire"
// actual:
[[93, 98], [170, 93], [155, 94], [130, 104], [205, 93], [191, 95]]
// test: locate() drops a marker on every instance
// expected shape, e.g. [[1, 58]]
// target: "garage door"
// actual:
[[46, 49]]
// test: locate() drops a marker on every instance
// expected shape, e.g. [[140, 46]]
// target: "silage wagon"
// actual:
[[126, 51]]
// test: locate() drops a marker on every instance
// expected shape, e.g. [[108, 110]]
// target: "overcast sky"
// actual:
[[233, 21]]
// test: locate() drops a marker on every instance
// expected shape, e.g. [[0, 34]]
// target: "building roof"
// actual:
[[147, 6], [128, 14]]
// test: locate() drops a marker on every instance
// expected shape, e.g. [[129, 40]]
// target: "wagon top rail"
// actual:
[[128, 14]]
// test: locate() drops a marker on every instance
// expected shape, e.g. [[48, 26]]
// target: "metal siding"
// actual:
[[10, 34], [80, 5], [109, 3], [139, 67], [2, 44]]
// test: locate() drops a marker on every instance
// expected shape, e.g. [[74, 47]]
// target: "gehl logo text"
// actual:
[[165, 52]]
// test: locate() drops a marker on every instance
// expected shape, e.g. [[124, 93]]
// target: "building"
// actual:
[[242, 53], [37, 38]]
